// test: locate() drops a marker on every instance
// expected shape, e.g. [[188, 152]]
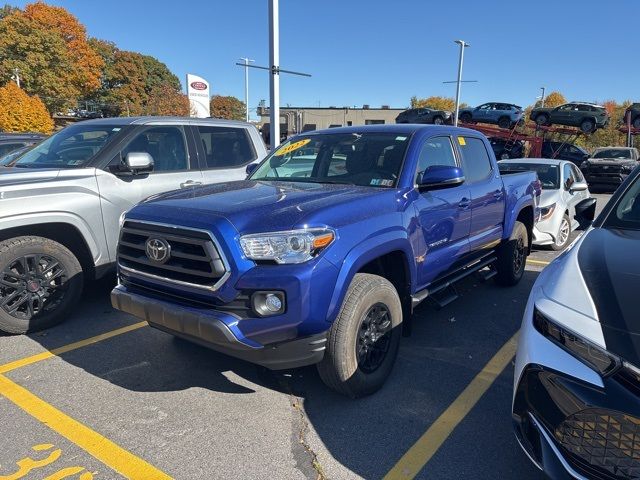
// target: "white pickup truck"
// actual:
[[61, 202]]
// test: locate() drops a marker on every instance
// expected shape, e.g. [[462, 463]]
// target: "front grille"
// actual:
[[604, 439], [193, 259], [609, 169]]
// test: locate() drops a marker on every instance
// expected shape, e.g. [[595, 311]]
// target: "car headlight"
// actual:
[[628, 168], [588, 353], [293, 246], [546, 212]]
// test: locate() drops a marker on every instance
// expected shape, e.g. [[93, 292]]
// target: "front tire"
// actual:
[[636, 123], [363, 341], [40, 282], [564, 234], [438, 120], [542, 119], [512, 256], [504, 122]]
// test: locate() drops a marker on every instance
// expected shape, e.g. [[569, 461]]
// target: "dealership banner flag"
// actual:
[[198, 93]]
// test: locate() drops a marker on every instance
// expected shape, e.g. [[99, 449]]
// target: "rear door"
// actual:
[[443, 215], [224, 152], [485, 185], [175, 167]]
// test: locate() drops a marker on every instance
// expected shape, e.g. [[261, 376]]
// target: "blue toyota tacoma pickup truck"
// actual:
[[320, 256]]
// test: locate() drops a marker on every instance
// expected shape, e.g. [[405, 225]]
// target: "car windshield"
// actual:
[[9, 158], [617, 153], [549, 175], [365, 159], [72, 147], [626, 213]]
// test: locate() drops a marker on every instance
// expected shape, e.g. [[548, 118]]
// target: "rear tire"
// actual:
[[542, 119], [512, 256], [636, 122], [564, 234], [438, 120], [40, 282], [588, 125], [363, 341], [465, 117]]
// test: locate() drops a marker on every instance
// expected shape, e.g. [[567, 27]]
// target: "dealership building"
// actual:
[[302, 119]]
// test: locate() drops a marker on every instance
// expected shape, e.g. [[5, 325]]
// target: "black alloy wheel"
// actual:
[[374, 338]]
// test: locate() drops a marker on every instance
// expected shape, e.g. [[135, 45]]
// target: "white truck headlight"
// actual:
[[292, 246]]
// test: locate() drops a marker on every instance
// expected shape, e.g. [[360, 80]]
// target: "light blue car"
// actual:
[[505, 115]]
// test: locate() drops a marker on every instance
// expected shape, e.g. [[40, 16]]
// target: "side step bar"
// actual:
[[449, 280]]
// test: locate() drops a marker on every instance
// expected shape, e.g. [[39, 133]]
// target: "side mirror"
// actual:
[[578, 187], [252, 167], [441, 176], [139, 162], [586, 212]]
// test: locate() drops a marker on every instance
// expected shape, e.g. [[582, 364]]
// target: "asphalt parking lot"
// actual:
[[103, 396]]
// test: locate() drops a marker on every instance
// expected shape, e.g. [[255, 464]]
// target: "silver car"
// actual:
[[563, 187]]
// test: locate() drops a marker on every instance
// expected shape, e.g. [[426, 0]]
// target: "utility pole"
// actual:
[[246, 61], [274, 79], [463, 45], [16, 76], [542, 98]]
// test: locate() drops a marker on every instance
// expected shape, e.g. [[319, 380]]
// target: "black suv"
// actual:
[[564, 151], [424, 115], [587, 116], [634, 111], [13, 141]]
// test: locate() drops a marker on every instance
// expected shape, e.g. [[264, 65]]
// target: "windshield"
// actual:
[[365, 159], [626, 214], [72, 147], [8, 159], [617, 153], [549, 175]]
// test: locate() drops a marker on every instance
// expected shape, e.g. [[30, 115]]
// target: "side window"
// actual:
[[577, 174], [225, 147], [566, 174], [165, 144], [475, 159], [435, 151], [9, 147]]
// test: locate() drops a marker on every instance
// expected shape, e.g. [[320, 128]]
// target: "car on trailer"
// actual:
[[505, 115], [576, 396], [632, 115], [586, 116], [424, 115]]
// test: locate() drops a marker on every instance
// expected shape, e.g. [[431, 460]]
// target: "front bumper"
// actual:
[[542, 237], [604, 178], [218, 331]]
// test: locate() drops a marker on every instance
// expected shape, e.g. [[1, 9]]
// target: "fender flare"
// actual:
[[363, 253], [512, 216]]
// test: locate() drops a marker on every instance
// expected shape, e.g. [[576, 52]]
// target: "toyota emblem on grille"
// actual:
[[158, 249]]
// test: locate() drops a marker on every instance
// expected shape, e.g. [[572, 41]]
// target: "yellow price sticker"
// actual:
[[291, 147], [461, 141]]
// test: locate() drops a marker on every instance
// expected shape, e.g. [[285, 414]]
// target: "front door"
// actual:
[[443, 215], [487, 193], [175, 167]]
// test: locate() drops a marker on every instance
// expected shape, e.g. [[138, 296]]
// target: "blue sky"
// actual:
[[383, 52]]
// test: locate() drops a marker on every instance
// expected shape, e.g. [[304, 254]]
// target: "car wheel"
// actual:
[[40, 282], [465, 117], [588, 125], [636, 123], [363, 341], [564, 234], [504, 156], [504, 122], [438, 121], [542, 119], [512, 256]]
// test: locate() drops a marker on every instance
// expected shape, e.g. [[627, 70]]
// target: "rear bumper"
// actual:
[[211, 329]]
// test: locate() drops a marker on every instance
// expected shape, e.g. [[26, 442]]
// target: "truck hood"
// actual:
[[258, 206], [16, 176]]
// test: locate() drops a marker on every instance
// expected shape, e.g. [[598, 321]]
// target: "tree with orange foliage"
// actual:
[[554, 99], [20, 112], [166, 100], [229, 107]]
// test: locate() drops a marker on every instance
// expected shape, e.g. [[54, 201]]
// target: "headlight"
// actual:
[[592, 355], [293, 246], [628, 168], [546, 212]]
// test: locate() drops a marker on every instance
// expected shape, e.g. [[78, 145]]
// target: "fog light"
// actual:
[[268, 303]]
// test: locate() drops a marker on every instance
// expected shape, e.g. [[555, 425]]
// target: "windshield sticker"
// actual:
[[381, 181], [290, 148], [461, 141]]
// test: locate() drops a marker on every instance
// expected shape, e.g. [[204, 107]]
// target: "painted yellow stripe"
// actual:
[[421, 452], [7, 367], [537, 262], [99, 447]]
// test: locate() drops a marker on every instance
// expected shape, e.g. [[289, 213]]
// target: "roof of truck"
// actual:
[[399, 128], [149, 120]]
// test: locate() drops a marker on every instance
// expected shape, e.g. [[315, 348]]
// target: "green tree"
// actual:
[[228, 107]]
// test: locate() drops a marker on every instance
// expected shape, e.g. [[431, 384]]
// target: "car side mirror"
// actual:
[[578, 187], [441, 176], [252, 167], [139, 162], [586, 212]]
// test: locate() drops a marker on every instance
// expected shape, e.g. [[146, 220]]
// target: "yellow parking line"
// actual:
[[421, 452], [537, 262], [99, 447], [7, 367]]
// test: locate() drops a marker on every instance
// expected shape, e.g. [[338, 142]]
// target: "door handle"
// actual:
[[189, 183], [464, 203], [497, 194]]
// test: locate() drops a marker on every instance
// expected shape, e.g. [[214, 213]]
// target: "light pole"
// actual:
[[463, 45], [246, 61], [542, 98], [274, 84]]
